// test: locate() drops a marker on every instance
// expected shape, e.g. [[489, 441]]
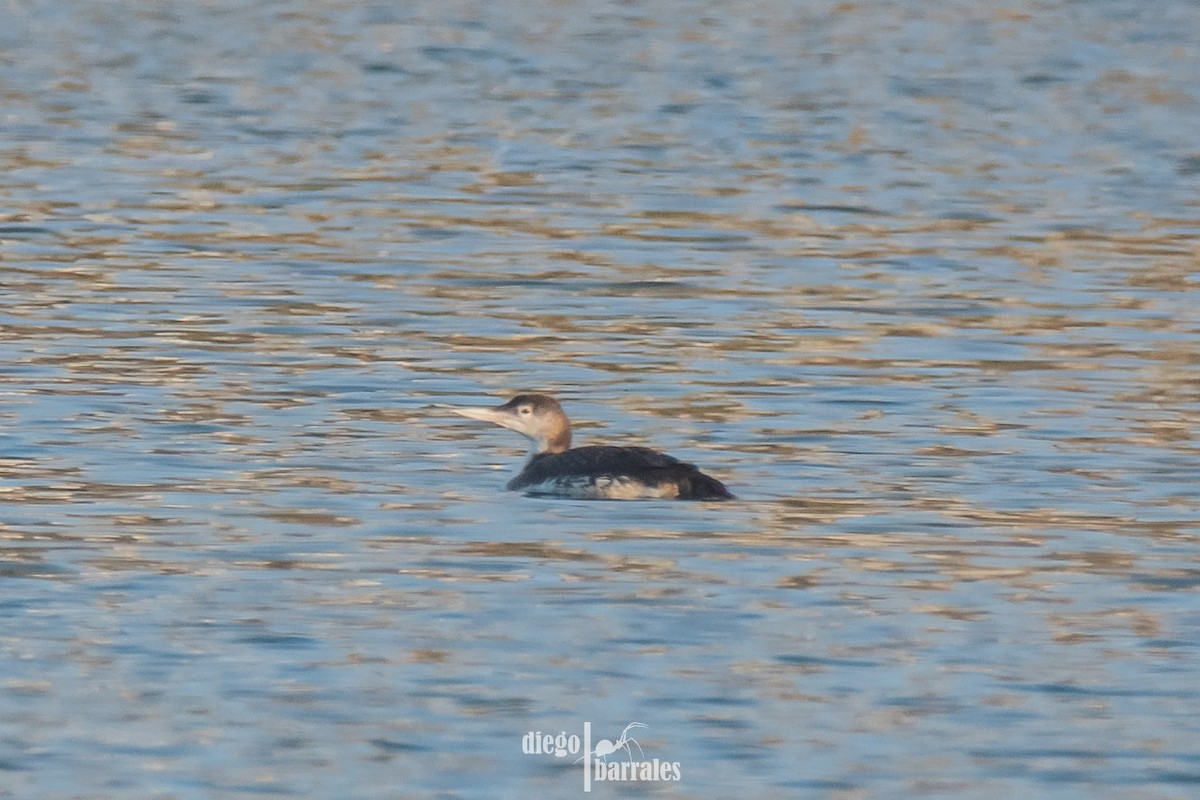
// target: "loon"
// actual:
[[599, 472]]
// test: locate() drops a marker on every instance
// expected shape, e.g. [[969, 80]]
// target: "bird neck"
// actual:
[[557, 440]]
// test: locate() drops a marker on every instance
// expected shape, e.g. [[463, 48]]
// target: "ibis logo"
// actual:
[[606, 760]]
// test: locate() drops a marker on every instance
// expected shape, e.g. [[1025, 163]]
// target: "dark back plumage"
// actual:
[[612, 463]]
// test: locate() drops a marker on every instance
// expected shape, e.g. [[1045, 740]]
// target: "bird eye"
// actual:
[[525, 411]]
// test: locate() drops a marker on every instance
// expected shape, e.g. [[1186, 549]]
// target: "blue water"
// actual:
[[919, 283]]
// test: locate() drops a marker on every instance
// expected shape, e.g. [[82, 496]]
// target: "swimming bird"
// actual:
[[597, 472]]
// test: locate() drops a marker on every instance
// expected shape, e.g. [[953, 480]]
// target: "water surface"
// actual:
[[919, 283]]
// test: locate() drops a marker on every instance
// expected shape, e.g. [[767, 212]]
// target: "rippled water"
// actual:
[[918, 281]]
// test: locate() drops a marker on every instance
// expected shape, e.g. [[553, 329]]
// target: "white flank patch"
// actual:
[[604, 487]]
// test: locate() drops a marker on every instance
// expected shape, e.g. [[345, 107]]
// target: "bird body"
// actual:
[[596, 472]]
